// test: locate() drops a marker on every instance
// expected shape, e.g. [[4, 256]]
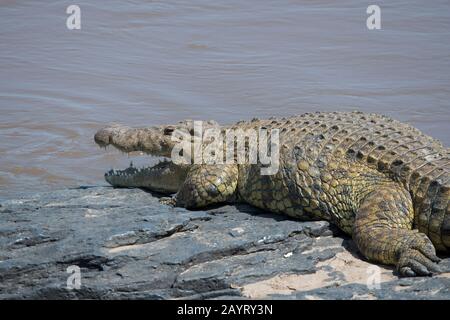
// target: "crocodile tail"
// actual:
[[431, 204], [445, 231], [426, 174], [444, 201]]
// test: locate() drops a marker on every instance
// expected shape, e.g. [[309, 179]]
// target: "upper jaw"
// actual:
[[154, 140]]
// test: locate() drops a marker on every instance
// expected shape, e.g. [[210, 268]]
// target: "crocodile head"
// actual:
[[166, 176]]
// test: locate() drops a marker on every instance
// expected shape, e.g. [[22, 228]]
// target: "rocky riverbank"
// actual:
[[128, 245]]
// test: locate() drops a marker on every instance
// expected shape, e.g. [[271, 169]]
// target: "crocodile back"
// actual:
[[398, 150]]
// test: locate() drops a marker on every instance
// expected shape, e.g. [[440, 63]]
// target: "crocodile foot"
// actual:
[[418, 262], [168, 201]]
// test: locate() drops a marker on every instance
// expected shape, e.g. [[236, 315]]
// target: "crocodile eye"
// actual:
[[168, 130]]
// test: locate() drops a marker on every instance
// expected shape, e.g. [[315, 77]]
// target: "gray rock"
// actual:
[[129, 246]]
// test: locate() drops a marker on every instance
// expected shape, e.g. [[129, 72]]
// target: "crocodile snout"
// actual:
[[103, 137]]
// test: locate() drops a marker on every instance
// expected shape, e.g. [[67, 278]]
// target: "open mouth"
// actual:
[[163, 177]]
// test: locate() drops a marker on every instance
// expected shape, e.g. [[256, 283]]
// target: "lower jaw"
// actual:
[[160, 177], [130, 177]]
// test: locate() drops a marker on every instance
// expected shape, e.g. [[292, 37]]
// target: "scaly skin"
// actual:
[[381, 181]]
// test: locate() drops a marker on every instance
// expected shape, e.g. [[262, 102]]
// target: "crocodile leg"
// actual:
[[383, 233], [206, 185], [165, 177]]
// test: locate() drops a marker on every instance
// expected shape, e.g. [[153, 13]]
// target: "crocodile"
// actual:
[[383, 182]]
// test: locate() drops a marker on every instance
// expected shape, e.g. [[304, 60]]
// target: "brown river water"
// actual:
[[153, 62]]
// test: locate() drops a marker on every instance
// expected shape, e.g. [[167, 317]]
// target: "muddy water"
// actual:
[[152, 62]]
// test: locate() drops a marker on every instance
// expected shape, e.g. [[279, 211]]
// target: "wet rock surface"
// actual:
[[129, 246]]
